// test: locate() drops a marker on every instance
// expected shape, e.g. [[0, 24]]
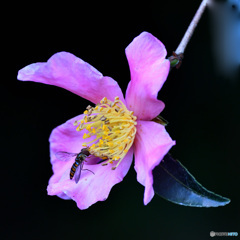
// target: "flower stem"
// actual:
[[188, 34]]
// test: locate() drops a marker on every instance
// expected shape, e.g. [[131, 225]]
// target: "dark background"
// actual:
[[201, 106]]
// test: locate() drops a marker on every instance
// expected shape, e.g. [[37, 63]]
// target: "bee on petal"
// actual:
[[77, 167]]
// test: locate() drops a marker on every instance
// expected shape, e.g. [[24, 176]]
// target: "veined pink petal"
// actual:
[[149, 70], [91, 187], [67, 71], [64, 138], [151, 144]]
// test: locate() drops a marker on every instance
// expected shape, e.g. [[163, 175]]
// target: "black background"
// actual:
[[201, 106]]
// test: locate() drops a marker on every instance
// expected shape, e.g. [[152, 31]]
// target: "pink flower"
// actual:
[[115, 129]]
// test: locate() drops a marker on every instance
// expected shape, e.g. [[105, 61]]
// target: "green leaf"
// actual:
[[173, 182], [159, 119]]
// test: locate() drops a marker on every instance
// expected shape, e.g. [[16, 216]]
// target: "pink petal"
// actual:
[[91, 187], [67, 71], [151, 144], [149, 70]]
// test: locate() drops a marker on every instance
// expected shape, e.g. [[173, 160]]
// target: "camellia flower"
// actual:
[[114, 128]]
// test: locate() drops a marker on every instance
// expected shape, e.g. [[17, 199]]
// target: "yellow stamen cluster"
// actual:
[[114, 128]]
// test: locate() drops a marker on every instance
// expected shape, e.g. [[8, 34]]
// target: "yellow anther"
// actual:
[[110, 144], [85, 136], [85, 112], [117, 109], [104, 100], [100, 142], [108, 138], [104, 127], [88, 127]]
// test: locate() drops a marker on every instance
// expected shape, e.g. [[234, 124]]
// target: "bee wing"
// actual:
[[65, 156], [77, 174]]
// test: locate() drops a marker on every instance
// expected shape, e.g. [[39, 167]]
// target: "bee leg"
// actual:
[[89, 171]]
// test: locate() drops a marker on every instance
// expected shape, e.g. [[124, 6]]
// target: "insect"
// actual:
[[77, 166]]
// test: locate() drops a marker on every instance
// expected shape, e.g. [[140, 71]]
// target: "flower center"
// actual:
[[113, 126]]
